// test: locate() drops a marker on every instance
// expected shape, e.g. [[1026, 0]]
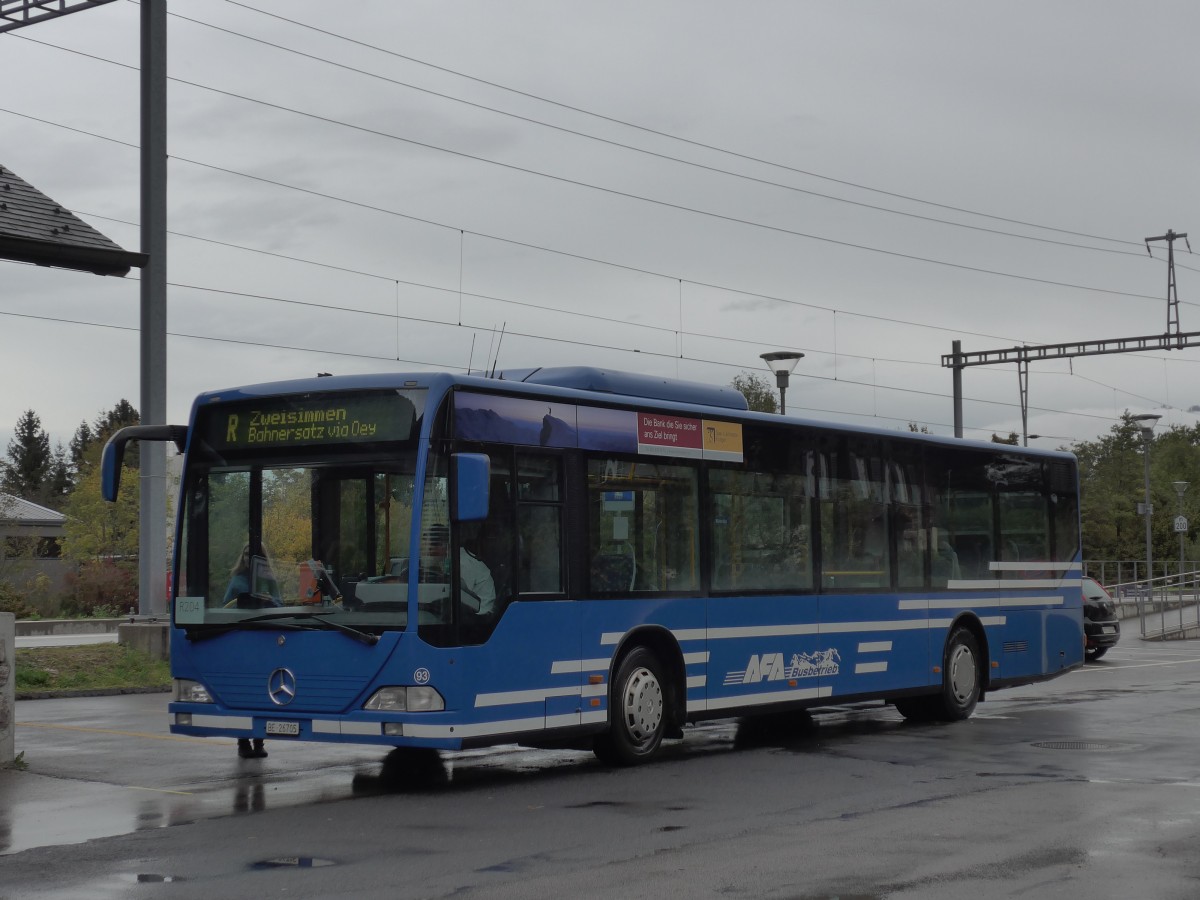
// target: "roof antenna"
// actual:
[[471, 358], [491, 347], [496, 358]]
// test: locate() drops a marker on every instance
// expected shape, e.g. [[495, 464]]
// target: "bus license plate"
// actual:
[[283, 728]]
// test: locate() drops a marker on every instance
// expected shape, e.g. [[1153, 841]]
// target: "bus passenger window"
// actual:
[[854, 524], [539, 524], [760, 531], [643, 522]]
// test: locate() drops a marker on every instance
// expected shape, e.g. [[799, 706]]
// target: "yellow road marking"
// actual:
[[141, 734]]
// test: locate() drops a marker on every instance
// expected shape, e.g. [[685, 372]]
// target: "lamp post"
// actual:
[[782, 363], [1147, 428], [1181, 527]]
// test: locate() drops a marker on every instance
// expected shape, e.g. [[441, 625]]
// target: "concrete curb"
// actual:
[[47, 627], [98, 692]]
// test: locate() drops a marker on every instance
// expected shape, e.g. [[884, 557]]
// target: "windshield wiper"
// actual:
[[274, 620], [364, 636]]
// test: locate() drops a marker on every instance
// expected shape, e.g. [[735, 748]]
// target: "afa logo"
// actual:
[[770, 667]]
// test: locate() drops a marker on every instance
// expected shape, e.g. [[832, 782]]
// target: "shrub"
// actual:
[[101, 584], [13, 601]]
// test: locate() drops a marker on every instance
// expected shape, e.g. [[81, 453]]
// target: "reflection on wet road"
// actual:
[[105, 766], [58, 800]]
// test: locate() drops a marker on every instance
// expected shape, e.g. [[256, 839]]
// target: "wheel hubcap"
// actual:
[[963, 674], [643, 705]]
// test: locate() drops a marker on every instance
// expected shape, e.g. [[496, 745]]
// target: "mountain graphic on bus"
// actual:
[[770, 667], [807, 665]]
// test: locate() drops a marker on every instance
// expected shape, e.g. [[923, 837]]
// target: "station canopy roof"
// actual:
[[15, 511], [36, 229]]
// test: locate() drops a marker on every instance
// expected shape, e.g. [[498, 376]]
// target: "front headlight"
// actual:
[[400, 698], [188, 691]]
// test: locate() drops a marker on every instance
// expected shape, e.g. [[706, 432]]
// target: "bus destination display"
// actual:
[[304, 421]]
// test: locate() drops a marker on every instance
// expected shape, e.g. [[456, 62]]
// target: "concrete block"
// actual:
[[151, 638], [40, 627], [8, 684]]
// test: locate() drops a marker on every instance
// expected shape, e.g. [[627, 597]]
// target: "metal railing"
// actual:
[[1126, 571], [1166, 607]]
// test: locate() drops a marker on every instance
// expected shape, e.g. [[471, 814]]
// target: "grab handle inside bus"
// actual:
[[114, 451], [471, 477]]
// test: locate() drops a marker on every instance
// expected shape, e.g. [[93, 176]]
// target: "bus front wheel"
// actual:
[[637, 711]]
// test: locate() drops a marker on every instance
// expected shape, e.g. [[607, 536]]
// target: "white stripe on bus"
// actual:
[[757, 631], [537, 695], [573, 666], [219, 721], [759, 699], [1012, 584], [1032, 566], [985, 602], [1030, 601], [334, 726], [478, 729]]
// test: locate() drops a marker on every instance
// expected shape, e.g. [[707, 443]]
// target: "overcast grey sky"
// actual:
[[665, 187]]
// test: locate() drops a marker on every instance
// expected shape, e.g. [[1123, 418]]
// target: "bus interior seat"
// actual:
[[614, 569]]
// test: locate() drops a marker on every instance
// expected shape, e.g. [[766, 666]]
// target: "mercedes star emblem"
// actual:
[[281, 687]]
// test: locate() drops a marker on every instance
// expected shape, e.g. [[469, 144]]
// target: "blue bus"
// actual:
[[577, 557]]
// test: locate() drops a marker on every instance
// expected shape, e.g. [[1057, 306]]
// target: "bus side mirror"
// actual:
[[471, 476], [114, 451]]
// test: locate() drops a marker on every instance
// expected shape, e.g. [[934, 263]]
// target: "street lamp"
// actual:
[[1147, 428], [782, 363]]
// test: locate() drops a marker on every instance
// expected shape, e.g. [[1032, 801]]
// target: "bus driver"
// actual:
[[478, 587]]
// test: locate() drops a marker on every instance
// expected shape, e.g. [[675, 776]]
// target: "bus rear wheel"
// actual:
[[637, 711], [961, 684]]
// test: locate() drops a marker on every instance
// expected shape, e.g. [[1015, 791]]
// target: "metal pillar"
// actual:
[[1023, 382], [152, 546], [1172, 295], [1146, 422], [956, 356]]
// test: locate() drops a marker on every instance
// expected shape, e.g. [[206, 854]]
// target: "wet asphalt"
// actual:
[[1088, 785]]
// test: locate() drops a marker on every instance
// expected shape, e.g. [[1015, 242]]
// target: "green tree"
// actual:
[[118, 417], [61, 479], [79, 445], [757, 390], [1112, 484], [1011, 439], [96, 528], [1110, 478], [28, 465]]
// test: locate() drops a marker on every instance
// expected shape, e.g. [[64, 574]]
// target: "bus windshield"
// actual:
[[276, 526]]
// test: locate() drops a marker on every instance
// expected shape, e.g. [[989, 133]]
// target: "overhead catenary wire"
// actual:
[[613, 143], [427, 221], [446, 366], [718, 287], [441, 323], [663, 134], [589, 259], [627, 322], [679, 207]]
